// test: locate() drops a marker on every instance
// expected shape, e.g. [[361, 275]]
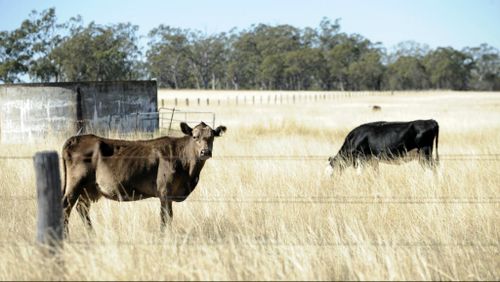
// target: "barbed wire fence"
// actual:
[[49, 215], [311, 199]]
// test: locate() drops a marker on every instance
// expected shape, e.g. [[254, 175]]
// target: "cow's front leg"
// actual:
[[358, 165], [166, 213]]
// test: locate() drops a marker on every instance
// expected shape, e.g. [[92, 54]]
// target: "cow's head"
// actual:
[[330, 166], [202, 138], [335, 163]]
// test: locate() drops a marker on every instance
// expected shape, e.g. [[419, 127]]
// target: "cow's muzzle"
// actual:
[[205, 154]]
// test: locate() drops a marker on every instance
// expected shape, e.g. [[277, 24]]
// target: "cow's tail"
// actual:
[[63, 155], [437, 141], [64, 176]]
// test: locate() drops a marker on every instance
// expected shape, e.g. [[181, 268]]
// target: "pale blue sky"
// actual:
[[439, 23]]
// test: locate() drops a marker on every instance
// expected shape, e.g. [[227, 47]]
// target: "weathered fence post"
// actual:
[[187, 102], [49, 197], [171, 119]]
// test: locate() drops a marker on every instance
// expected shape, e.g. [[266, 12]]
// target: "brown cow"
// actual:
[[167, 168]]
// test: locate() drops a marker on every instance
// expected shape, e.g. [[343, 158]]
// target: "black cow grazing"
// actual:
[[388, 141]]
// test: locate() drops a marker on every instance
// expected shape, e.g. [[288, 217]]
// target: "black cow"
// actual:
[[388, 141]]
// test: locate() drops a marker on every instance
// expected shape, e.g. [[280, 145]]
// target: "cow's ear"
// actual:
[[186, 129], [219, 130]]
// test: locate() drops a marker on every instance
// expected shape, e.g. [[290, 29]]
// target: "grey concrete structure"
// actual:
[[30, 112]]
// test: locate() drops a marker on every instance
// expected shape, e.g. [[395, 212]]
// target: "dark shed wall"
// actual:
[[114, 106], [32, 111]]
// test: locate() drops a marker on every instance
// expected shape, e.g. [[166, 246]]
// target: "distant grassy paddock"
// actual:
[[282, 218]]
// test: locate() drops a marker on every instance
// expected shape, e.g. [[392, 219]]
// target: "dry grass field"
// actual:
[[259, 217]]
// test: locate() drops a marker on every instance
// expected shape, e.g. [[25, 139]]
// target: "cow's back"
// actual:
[[379, 139]]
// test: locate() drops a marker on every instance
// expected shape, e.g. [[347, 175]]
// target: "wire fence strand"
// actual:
[[476, 244], [448, 157], [338, 200]]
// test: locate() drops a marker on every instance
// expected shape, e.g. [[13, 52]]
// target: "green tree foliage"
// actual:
[[406, 73], [14, 55], [260, 57], [207, 60], [244, 61], [20, 46], [366, 73], [344, 60], [448, 68], [168, 57], [46, 38], [485, 74], [98, 53]]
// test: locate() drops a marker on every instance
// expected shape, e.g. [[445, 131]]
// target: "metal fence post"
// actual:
[[49, 197]]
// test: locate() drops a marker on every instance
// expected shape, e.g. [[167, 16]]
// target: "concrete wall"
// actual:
[[29, 112], [117, 106]]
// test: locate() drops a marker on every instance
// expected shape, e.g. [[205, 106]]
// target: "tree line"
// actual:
[[280, 57]]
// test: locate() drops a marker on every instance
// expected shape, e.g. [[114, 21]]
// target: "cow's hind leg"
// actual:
[[71, 195], [83, 208], [426, 157]]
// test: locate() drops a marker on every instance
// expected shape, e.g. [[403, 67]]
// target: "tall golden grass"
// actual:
[[283, 219]]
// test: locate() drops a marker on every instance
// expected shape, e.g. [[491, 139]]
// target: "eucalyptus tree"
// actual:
[[168, 57], [485, 73], [448, 68]]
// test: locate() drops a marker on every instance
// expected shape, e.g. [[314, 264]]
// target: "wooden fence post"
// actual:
[[49, 197]]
